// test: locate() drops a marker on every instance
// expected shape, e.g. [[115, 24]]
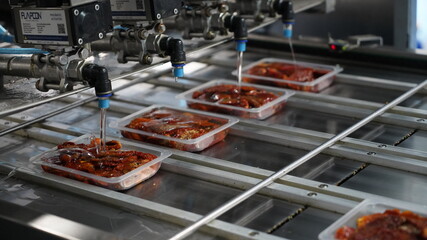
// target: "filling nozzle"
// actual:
[[286, 9], [237, 25], [97, 77], [175, 49]]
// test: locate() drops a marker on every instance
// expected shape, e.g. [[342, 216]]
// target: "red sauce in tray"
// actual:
[[85, 157], [239, 96], [174, 124], [390, 225], [283, 71]]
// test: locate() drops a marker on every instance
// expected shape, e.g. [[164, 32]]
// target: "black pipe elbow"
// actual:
[[286, 9], [237, 25], [175, 49], [97, 77]]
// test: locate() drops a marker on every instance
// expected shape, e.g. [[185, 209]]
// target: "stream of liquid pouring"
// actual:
[[239, 66], [293, 56], [103, 129]]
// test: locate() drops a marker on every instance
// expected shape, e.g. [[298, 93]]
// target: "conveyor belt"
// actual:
[[385, 155]]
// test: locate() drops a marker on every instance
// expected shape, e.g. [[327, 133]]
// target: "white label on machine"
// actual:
[[128, 9], [44, 26]]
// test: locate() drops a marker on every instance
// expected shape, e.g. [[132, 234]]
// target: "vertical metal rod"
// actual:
[[248, 193]]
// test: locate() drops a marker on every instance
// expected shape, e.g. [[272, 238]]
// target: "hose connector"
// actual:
[[237, 25], [97, 77], [175, 49], [286, 9]]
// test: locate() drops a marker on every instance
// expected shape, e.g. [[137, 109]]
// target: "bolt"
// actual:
[[23, 117], [84, 53], [175, 11], [254, 233], [420, 120], [6, 123], [76, 12], [147, 59], [101, 35], [223, 8], [143, 34], [382, 146], [311, 194], [158, 16], [210, 35], [371, 153], [160, 28], [323, 186], [80, 41], [62, 60], [68, 87], [97, 7]]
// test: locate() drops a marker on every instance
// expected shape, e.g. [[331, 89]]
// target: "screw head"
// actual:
[[420, 120], [76, 12], [80, 41], [97, 7], [63, 60], [371, 153], [323, 185], [254, 233], [101, 35], [6, 123], [158, 16], [382, 146], [311, 194], [175, 11]]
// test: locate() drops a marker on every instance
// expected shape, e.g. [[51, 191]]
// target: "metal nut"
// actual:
[[97, 7], [80, 41], [101, 35], [175, 11], [158, 16], [76, 12]]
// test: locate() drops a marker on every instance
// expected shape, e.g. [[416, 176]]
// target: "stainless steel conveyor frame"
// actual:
[[250, 180]]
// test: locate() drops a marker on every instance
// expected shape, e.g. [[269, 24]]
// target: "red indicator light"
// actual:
[[333, 47]]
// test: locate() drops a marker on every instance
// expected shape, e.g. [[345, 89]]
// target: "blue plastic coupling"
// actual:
[[241, 45], [22, 51], [104, 100], [287, 31], [119, 27], [178, 70], [5, 36]]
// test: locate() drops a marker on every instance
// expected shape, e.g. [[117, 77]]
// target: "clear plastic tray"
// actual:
[[191, 145], [319, 83], [367, 207], [262, 112], [123, 182]]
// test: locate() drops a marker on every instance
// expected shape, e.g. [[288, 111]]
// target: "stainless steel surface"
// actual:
[[39, 225], [235, 201], [297, 206]]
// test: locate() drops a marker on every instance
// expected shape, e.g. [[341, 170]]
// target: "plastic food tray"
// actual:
[[191, 145], [262, 112], [123, 182], [367, 207], [316, 85]]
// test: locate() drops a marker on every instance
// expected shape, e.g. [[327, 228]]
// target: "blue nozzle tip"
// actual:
[[241, 46], [103, 103], [287, 33], [178, 72]]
